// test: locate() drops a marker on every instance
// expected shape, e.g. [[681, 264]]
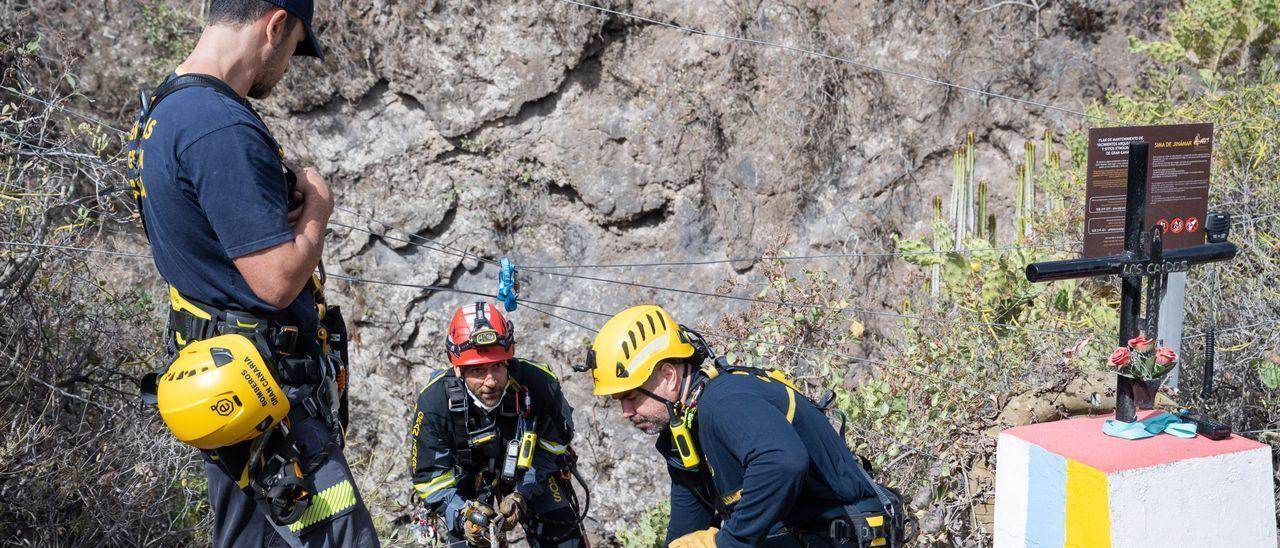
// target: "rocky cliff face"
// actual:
[[554, 134]]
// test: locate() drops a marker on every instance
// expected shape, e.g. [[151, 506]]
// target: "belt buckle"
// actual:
[[310, 405], [840, 530], [285, 339]]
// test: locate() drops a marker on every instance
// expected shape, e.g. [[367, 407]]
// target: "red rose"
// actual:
[[1139, 343], [1165, 355], [1120, 357]]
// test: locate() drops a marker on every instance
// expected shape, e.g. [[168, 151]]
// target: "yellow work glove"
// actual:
[[705, 538], [512, 508]]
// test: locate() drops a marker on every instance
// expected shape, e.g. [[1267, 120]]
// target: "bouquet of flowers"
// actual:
[[1142, 359]]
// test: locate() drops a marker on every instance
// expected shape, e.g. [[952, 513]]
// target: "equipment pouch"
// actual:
[[299, 370]]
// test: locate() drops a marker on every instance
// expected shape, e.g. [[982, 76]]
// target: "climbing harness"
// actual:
[[882, 522], [505, 455]]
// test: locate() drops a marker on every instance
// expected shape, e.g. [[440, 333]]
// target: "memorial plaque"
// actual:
[[1177, 192]]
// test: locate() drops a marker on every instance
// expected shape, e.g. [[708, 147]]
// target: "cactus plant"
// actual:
[[935, 272], [982, 209]]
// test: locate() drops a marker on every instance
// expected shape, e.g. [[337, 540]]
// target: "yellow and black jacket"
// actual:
[[773, 460], [452, 466]]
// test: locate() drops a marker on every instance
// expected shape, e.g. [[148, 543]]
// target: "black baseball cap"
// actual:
[[302, 9]]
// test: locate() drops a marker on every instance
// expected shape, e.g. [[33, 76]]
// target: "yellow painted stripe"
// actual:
[[1088, 510], [791, 404], [326, 504]]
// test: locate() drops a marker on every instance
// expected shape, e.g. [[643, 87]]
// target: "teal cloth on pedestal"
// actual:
[[1150, 426]]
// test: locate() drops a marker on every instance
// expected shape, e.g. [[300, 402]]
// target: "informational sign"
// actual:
[[1178, 179]]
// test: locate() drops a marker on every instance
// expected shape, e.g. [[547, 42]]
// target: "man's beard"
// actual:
[[489, 399], [275, 68], [649, 426]]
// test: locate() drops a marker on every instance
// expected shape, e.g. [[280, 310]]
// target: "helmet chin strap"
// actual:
[[479, 402], [674, 407]]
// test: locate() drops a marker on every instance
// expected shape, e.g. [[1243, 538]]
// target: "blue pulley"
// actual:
[[508, 284]]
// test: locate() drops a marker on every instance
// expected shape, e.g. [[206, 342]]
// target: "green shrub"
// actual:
[[81, 462], [649, 530]]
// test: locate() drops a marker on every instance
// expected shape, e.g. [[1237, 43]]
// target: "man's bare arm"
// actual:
[[277, 274]]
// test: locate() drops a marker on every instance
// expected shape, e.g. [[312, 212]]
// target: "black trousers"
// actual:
[[337, 515]]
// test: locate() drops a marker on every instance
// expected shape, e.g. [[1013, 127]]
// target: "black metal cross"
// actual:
[[1133, 266]]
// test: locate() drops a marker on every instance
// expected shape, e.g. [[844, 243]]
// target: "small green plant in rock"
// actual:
[[475, 146], [1217, 37], [649, 530]]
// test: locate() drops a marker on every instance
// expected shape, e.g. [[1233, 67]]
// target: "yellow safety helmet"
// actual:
[[219, 392], [631, 344]]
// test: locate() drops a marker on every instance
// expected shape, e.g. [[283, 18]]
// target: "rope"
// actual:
[[594, 313], [862, 359], [443, 246], [73, 248], [760, 258], [425, 287], [535, 305], [850, 357], [808, 305], [815, 53], [1268, 321], [558, 317], [395, 239]]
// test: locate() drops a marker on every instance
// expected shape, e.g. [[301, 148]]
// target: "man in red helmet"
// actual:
[[491, 438]]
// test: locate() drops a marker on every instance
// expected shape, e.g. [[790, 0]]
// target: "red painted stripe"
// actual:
[[1082, 439]]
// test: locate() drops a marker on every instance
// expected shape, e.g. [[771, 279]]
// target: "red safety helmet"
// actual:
[[479, 335]]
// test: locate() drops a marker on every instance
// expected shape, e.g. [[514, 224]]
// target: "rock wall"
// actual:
[[553, 134]]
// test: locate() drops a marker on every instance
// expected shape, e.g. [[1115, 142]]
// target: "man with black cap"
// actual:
[[238, 236]]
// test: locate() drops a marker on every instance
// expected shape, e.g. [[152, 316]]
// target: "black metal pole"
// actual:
[[1206, 389], [1052, 271], [1134, 216], [1155, 285], [1131, 286]]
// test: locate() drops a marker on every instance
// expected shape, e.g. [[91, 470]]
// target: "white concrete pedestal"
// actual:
[[1066, 483]]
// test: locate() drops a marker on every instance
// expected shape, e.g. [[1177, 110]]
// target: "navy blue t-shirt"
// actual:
[[214, 189]]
